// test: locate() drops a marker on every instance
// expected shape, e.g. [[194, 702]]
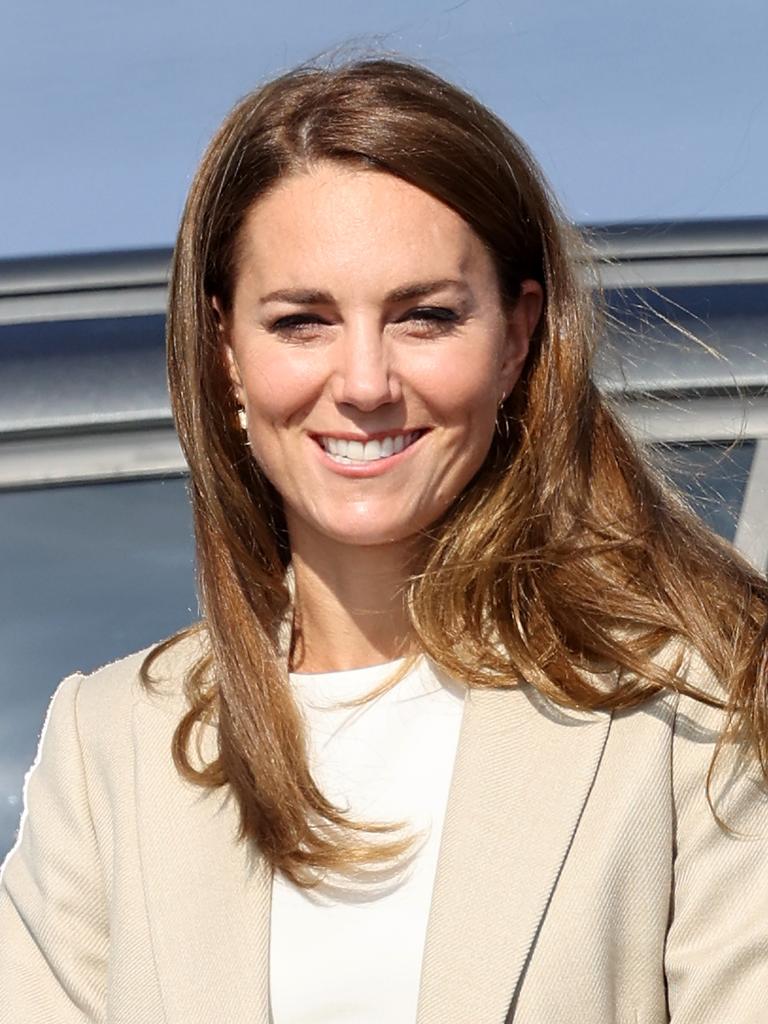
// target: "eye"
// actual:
[[432, 314], [296, 322], [427, 322], [299, 328]]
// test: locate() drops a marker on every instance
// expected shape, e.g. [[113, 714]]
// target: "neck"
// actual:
[[350, 607]]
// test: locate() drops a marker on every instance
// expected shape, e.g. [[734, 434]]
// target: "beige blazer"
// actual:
[[581, 879]]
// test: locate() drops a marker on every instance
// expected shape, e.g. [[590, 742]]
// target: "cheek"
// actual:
[[277, 387], [466, 391]]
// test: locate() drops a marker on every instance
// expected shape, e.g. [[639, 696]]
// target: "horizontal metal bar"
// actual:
[[115, 447], [89, 271], [680, 238], [97, 456], [696, 419], [130, 283], [125, 421], [151, 300], [682, 273], [752, 531], [146, 300], [77, 458]]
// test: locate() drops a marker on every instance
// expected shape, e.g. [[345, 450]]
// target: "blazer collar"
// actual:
[[208, 896], [522, 775], [523, 772]]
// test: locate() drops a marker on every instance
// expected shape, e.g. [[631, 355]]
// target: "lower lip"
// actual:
[[366, 469]]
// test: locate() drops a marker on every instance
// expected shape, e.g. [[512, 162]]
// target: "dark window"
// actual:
[[90, 573], [713, 476]]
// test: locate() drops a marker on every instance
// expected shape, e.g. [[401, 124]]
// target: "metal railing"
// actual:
[[136, 439]]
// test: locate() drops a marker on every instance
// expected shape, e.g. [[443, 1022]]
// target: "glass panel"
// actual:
[[81, 370], [646, 348], [90, 573], [713, 475], [94, 572]]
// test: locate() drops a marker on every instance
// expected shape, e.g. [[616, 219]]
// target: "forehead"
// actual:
[[353, 225]]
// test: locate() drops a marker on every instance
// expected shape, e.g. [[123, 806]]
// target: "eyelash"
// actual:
[[431, 315]]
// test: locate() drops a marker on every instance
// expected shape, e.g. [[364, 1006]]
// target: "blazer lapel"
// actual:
[[523, 772], [207, 896]]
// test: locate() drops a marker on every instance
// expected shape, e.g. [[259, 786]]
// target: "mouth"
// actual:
[[348, 451]]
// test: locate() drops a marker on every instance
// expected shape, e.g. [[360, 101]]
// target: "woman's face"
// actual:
[[369, 346]]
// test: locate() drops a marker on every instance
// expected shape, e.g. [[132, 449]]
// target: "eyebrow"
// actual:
[[312, 296]]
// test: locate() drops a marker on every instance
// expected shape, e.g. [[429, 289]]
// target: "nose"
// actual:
[[364, 376]]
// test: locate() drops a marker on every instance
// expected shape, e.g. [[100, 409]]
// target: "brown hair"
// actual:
[[564, 554]]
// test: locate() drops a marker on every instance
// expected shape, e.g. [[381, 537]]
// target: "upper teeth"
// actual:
[[341, 450]]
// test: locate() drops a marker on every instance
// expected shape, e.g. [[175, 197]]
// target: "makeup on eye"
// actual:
[[432, 315]]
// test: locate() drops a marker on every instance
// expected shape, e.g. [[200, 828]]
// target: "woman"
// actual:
[[440, 749]]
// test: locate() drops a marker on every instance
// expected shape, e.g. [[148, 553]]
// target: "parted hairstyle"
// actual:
[[566, 553]]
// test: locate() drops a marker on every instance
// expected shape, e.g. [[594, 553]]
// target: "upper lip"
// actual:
[[375, 435]]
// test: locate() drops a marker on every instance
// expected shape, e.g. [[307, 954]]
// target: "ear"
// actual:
[[522, 320], [230, 360]]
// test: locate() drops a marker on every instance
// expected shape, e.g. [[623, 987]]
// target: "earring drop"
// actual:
[[242, 418]]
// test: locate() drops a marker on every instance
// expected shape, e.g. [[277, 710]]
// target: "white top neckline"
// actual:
[[343, 954]]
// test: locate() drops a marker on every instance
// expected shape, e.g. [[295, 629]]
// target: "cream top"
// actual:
[[348, 951]]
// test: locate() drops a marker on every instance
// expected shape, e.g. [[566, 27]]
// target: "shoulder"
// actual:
[[717, 778], [698, 713], [682, 722], [109, 693]]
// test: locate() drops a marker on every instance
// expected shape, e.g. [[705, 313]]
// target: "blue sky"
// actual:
[[636, 111]]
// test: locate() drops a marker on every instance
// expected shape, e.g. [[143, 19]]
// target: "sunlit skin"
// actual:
[[388, 322]]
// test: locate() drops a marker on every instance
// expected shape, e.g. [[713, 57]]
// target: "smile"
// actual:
[[346, 451]]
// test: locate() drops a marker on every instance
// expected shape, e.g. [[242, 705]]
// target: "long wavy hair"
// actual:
[[565, 554]]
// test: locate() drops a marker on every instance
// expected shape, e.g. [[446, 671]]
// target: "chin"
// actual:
[[367, 530], [365, 536], [362, 528]]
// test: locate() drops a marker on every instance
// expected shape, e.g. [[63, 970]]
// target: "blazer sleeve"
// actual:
[[716, 957], [53, 918]]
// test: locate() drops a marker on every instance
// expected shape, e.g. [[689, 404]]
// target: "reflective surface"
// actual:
[[90, 574], [686, 340], [713, 476], [82, 371], [94, 572]]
